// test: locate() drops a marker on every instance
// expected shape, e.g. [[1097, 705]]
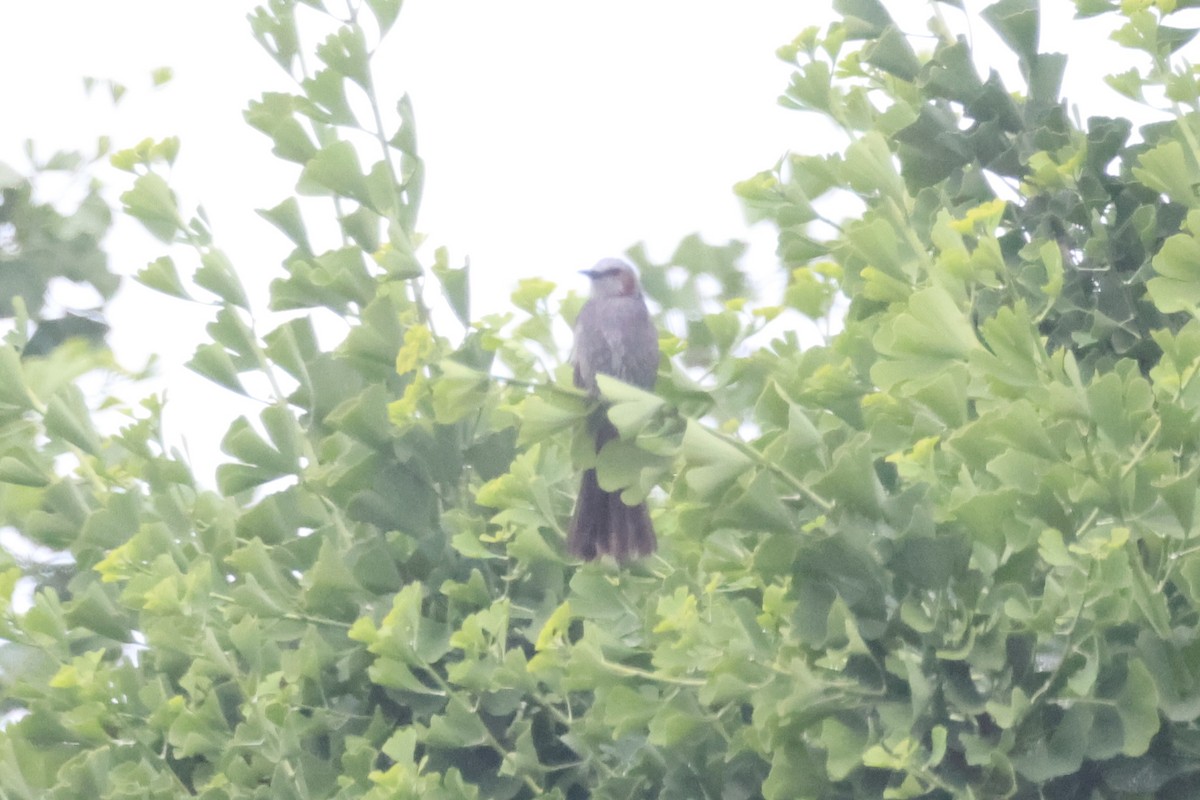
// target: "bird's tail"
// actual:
[[602, 523]]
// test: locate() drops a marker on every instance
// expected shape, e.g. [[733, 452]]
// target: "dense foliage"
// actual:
[[946, 553], [41, 242]]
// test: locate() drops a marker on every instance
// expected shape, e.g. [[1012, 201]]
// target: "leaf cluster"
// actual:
[[42, 241]]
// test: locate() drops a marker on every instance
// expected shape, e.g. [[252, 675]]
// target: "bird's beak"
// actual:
[[588, 272]]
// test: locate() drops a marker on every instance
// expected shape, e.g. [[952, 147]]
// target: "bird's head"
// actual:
[[612, 277]]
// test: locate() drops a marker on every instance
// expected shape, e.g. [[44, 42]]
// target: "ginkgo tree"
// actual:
[[946, 552]]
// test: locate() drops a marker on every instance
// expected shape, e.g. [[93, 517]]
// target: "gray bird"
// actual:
[[613, 336]]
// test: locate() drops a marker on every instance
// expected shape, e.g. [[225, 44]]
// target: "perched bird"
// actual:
[[613, 336]]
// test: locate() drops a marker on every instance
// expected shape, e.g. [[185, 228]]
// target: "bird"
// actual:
[[615, 336]]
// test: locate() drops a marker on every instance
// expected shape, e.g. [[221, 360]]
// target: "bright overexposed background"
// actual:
[[553, 133]]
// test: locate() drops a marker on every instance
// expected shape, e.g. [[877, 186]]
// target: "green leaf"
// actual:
[[892, 53], [933, 325], [329, 586], [1058, 751], [151, 202], [1051, 546], [869, 167], [332, 279], [791, 767], [458, 727], [400, 263], [147, 153], [275, 31], [864, 19], [1017, 22], [334, 170], [1120, 407], [554, 630], [1172, 39], [405, 138], [757, 506], [217, 275], [363, 416], [530, 292], [345, 51], [22, 473], [809, 294], [292, 346], [675, 722], [327, 91], [852, 479], [628, 710], [712, 463], [1178, 265], [287, 217], [456, 285], [618, 391], [951, 73], [14, 391], [543, 415], [274, 115], [632, 416], [1051, 255], [1091, 8], [1151, 602], [162, 276], [362, 227], [1174, 670], [245, 444], [232, 332], [622, 466], [67, 416], [810, 88], [393, 674], [385, 12], [1128, 83], [881, 246], [1137, 706], [844, 746], [233, 479], [383, 192], [932, 147], [459, 391], [213, 362], [1167, 169]]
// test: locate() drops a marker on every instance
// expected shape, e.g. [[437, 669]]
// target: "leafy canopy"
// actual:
[[945, 553]]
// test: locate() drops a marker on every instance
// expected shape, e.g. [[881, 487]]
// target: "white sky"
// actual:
[[554, 132]]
